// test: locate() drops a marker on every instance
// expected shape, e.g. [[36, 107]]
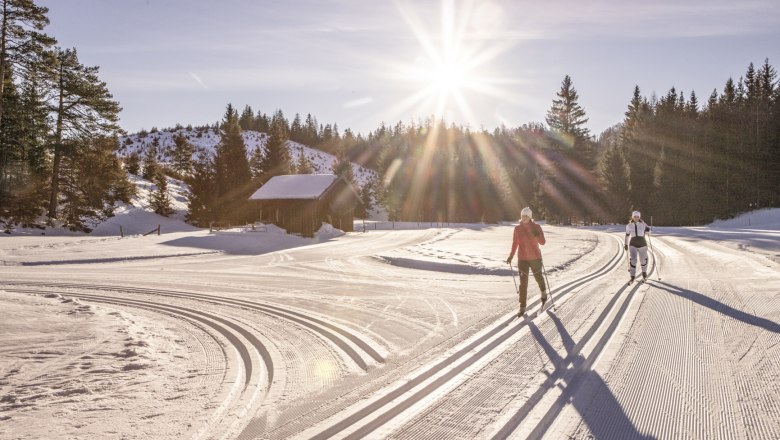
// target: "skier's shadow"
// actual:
[[600, 410], [718, 306]]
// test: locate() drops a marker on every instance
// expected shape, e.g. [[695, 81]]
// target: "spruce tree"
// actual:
[[566, 115], [574, 158], [202, 197], [181, 161], [256, 163], [151, 165], [247, 119], [613, 171], [310, 137], [230, 162], [231, 167], [133, 163], [343, 167], [303, 165], [296, 129], [159, 199], [277, 155]]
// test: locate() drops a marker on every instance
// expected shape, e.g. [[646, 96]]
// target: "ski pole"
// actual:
[[512, 269], [549, 289]]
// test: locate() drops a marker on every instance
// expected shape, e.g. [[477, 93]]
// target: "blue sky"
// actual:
[[360, 63]]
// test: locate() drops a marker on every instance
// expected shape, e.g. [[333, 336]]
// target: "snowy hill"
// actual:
[[207, 139]]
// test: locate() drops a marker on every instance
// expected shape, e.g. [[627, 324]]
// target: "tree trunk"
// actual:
[[55, 172], [3, 55]]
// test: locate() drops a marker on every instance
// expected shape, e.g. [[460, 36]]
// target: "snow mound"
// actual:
[[326, 232], [767, 218]]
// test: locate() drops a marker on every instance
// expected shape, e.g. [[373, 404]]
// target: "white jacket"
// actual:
[[635, 233]]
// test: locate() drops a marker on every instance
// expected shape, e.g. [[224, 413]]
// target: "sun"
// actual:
[[447, 78], [453, 62]]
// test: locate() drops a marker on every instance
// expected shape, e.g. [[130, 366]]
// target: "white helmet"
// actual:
[[636, 214]]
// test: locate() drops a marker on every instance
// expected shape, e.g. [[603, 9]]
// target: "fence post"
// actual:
[[121, 232], [158, 229]]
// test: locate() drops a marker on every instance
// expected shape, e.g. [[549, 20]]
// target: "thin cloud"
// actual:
[[199, 81], [358, 102]]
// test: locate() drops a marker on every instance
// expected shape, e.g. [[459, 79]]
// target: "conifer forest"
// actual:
[[686, 158]]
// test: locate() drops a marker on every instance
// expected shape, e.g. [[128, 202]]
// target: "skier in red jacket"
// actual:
[[528, 236]]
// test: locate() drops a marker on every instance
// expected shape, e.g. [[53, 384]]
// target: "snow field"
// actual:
[[326, 329]]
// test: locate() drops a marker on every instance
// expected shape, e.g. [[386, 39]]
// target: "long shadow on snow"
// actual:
[[609, 420], [718, 306]]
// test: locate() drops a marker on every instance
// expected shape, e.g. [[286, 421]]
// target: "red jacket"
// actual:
[[526, 241]]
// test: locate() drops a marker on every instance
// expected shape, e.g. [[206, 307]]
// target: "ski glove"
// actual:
[[625, 247], [509, 260]]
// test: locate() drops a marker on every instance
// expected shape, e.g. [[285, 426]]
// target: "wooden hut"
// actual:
[[301, 203]]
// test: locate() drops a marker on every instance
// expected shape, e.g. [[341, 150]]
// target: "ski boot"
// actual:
[[631, 281], [521, 312], [644, 276], [544, 298]]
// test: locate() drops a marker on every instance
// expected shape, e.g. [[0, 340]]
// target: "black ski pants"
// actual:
[[536, 267]]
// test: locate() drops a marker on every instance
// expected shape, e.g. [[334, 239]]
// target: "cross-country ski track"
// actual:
[[405, 335]]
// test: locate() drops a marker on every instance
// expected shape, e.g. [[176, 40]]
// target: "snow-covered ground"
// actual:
[[402, 331]]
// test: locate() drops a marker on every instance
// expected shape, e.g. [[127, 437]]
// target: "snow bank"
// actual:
[[768, 218]]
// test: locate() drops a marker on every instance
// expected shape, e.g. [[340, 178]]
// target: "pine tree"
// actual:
[[310, 137], [247, 119], [93, 181], [181, 162], [202, 198], [296, 130], [23, 160], [262, 123], [575, 157], [159, 199], [613, 171], [133, 163], [14, 172], [566, 115], [22, 45], [343, 167], [151, 165], [231, 169], [82, 107], [256, 163], [303, 165], [230, 162], [277, 157]]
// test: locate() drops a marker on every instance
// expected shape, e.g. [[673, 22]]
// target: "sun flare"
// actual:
[[454, 63]]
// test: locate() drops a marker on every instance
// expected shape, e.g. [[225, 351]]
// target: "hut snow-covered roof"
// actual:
[[295, 186]]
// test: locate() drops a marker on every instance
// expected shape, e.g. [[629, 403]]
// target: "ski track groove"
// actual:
[[198, 319], [676, 387], [302, 319], [464, 353], [317, 375]]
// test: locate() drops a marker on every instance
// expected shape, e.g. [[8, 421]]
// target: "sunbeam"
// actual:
[[454, 64]]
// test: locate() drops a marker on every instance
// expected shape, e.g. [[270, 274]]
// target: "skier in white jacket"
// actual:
[[636, 230]]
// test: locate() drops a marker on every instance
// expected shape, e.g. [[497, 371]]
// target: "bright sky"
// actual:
[[359, 63]]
